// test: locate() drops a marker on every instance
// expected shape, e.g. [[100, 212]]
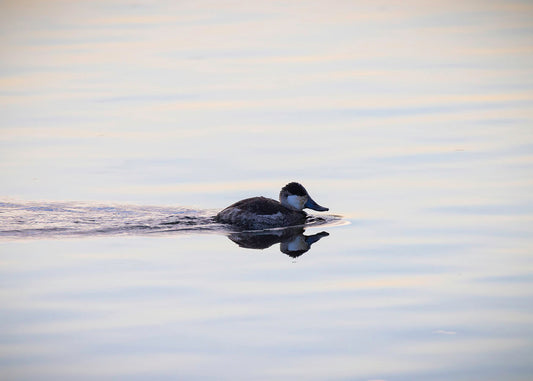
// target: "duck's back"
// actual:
[[260, 213]]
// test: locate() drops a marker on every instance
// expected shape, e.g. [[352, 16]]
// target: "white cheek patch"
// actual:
[[298, 244], [297, 202]]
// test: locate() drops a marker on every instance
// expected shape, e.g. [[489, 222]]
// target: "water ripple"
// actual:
[[60, 219]]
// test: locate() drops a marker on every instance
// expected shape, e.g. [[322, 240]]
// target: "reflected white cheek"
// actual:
[[297, 202], [298, 244]]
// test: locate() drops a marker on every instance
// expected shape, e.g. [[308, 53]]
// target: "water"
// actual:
[[63, 220], [125, 126], [57, 220]]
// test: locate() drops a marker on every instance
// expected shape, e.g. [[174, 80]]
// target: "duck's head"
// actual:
[[294, 196]]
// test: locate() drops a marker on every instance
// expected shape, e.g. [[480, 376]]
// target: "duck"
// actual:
[[258, 213]]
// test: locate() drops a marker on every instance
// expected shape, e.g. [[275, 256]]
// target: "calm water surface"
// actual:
[[126, 125]]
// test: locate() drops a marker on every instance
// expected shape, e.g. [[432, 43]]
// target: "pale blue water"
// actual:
[[125, 126]]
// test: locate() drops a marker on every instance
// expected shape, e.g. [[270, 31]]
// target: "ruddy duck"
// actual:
[[263, 213]]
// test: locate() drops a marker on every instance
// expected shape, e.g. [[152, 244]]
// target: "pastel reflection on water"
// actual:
[[411, 119]]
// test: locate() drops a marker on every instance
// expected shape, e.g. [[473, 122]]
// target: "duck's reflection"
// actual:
[[292, 240]]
